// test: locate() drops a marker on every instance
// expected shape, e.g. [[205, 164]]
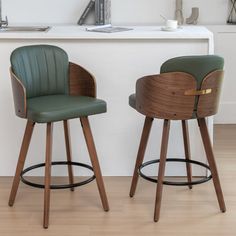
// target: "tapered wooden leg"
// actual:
[[211, 160], [47, 178], [141, 152], [187, 150], [94, 160], [21, 161], [68, 151], [161, 172]]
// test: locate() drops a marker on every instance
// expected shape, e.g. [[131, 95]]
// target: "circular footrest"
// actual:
[[203, 180], [64, 186]]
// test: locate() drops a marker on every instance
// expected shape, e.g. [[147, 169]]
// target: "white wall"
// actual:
[[123, 11]]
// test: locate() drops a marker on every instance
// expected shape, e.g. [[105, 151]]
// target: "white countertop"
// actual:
[[138, 32]]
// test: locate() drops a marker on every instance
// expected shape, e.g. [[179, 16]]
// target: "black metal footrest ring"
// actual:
[[63, 186], [203, 180]]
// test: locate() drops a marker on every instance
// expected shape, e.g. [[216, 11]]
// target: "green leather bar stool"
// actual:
[[48, 88], [187, 88]]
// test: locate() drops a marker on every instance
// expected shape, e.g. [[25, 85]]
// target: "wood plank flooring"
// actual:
[[184, 212]]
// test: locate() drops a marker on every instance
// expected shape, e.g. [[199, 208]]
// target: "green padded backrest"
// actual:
[[197, 66], [43, 69]]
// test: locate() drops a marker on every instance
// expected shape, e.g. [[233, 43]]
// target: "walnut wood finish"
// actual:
[[68, 151], [162, 96], [211, 160], [21, 161], [94, 160], [47, 178], [81, 82], [187, 150], [19, 95], [141, 152], [208, 104], [161, 172]]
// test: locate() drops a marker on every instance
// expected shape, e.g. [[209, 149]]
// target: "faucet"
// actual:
[[3, 23]]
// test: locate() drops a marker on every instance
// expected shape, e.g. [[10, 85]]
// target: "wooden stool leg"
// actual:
[[211, 160], [68, 151], [47, 178], [94, 160], [141, 151], [161, 172], [187, 150], [21, 161]]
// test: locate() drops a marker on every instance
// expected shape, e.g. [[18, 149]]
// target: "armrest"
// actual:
[[19, 95], [81, 82], [163, 96], [208, 105]]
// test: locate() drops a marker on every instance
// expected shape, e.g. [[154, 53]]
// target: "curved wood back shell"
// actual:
[[81, 82], [162, 96], [19, 95], [174, 96]]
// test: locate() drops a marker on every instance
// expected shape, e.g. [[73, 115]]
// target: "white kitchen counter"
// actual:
[[117, 60], [138, 32]]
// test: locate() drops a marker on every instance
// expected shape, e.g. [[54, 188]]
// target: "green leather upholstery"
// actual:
[[132, 100], [197, 66], [44, 72], [43, 69], [62, 107]]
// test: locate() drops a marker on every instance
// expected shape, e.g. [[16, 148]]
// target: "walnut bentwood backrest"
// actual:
[[187, 88]]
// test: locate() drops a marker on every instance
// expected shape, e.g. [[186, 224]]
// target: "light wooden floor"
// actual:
[[184, 212]]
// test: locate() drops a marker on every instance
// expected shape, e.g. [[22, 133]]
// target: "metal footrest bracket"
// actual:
[[203, 180], [64, 186]]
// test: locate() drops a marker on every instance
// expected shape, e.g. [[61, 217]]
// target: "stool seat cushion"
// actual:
[[132, 100], [62, 107]]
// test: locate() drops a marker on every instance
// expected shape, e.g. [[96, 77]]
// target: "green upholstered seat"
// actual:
[[62, 107], [198, 66], [44, 72], [132, 100]]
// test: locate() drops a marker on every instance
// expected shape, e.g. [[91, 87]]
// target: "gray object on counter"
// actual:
[[179, 12], [107, 29], [232, 13], [2, 22], [102, 12], [97, 12], [194, 16], [107, 12], [86, 11]]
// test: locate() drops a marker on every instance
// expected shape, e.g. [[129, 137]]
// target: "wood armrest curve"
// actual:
[[81, 82], [19, 95]]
